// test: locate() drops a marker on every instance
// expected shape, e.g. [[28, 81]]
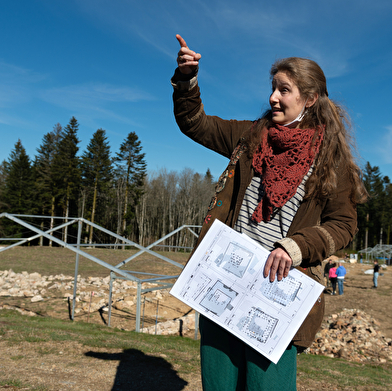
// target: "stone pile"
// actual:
[[354, 336], [92, 293], [179, 326]]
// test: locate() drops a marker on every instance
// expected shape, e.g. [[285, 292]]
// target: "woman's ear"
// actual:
[[311, 100]]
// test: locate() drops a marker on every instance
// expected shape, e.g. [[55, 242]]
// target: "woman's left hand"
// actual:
[[278, 264]]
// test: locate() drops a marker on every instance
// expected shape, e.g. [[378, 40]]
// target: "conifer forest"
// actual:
[[109, 188], [114, 190]]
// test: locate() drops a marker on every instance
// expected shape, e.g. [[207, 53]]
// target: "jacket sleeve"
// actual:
[[212, 132], [335, 228]]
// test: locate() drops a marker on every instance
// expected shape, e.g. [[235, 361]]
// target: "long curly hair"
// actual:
[[337, 146]]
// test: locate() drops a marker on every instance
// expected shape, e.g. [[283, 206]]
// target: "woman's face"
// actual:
[[286, 101]]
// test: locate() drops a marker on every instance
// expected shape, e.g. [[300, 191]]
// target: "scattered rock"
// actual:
[[354, 336], [23, 312], [37, 298], [178, 326], [93, 292]]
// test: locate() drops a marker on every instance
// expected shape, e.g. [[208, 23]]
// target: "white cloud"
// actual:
[[221, 25], [92, 102], [93, 95], [17, 83]]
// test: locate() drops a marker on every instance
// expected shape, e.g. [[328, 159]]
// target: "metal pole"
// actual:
[[156, 318], [76, 268], [66, 245], [33, 237], [138, 305], [144, 306], [110, 296]]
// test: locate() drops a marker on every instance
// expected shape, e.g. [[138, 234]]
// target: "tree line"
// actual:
[[375, 217], [114, 192]]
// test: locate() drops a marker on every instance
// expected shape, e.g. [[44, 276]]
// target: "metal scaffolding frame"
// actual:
[[378, 251], [115, 272]]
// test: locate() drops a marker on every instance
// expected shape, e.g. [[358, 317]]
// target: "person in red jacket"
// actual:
[[333, 278]]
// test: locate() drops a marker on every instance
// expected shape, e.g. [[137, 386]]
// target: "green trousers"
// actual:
[[228, 364]]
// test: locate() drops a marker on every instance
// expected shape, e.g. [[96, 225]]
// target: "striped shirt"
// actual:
[[276, 229]]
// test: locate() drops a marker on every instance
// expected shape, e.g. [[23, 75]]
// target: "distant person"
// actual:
[[328, 266], [333, 278], [291, 184], [376, 270], [340, 274]]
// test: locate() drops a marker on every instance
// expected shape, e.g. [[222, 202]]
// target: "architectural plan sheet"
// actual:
[[224, 281]]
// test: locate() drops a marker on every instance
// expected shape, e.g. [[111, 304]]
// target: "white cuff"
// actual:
[[292, 248], [184, 86]]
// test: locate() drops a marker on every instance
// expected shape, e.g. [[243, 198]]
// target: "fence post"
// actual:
[[138, 305], [112, 276], [76, 268]]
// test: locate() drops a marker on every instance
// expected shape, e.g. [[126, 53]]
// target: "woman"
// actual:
[[333, 278], [291, 184]]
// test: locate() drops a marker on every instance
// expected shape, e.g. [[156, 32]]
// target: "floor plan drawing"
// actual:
[[224, 281], [283, 292], [235, 260], [218, 298], [258, 325]]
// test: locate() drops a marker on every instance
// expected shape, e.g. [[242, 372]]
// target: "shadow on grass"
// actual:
[[137, 371]]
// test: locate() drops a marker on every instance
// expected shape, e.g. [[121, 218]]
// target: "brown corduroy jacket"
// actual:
[[319, 228]]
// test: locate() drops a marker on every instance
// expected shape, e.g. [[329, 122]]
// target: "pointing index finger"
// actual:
[[181, 41]]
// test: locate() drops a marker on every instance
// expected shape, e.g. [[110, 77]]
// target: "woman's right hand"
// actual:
[[187, 59]]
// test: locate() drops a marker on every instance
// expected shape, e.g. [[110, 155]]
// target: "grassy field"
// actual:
[[175, 358], [44, 354], [52, 261]]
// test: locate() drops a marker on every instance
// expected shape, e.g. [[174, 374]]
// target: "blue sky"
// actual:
[[109, 63]]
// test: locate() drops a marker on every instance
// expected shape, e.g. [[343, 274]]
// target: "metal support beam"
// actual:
[[115, 271], [69, 247], [138, 305], [76, 269]]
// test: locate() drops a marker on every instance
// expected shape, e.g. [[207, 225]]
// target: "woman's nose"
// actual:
[[273, 97]]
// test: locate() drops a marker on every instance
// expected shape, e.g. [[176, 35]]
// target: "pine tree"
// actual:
[[44, 167], [66, 170], [131, 171], [45, 174], [97, 175], [208, 177], [18, 190], [3, 176], [370, 215], [388, 209]]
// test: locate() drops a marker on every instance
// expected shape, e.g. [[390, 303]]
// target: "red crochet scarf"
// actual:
[[283, 158]]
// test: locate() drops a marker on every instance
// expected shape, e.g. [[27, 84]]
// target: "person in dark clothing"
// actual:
[[326, 272]]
